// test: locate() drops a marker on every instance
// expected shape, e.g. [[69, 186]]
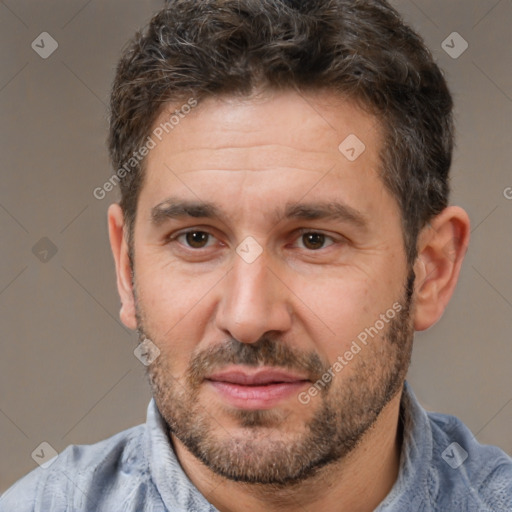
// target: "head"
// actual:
[[285, 205]]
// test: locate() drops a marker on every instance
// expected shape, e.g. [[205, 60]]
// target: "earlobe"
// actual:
[[119, 246], [442, 245]]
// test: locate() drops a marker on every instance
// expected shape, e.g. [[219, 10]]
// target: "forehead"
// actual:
[[275, 142], [307, 125]]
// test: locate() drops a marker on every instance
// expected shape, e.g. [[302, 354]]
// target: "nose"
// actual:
[[254, 302]]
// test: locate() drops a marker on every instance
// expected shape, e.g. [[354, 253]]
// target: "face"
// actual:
[[270, 271]]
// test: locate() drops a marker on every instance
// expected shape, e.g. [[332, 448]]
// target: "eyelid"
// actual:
[[303, 231]]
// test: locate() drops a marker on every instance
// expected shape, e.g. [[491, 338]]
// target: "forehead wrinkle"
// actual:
[[252, 157], [255, 169], [249, 146]]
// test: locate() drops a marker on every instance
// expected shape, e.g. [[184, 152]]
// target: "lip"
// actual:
[[261, 388], [256, 376]]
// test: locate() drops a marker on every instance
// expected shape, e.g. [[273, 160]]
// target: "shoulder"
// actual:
[[77, 471], [477, 476]]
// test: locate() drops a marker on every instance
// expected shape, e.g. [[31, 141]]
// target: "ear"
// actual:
[[119, 247], [442, 245]]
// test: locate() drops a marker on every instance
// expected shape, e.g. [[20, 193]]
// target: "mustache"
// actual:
[[267, 351]]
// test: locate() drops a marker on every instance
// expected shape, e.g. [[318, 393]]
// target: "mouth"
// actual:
[[261, 388]]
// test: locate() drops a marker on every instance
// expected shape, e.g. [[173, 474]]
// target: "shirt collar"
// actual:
[[176, 490], [412, 487]]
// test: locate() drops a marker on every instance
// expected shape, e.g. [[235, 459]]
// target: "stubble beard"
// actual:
[[259, 452]]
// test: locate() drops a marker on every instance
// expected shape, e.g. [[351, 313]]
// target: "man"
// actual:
[[283, 230]]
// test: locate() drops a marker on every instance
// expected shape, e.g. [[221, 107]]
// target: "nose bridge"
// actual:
[[252, 302], [250, 289]]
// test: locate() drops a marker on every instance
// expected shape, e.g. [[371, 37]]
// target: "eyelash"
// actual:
[[298, 235]]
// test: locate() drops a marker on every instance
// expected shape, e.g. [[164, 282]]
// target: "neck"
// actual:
[[358, 483]]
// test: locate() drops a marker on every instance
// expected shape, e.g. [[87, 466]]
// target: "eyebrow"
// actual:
[[174, 208], [326, 210], [177, 208]]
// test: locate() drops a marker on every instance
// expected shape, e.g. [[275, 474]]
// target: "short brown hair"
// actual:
[[359, 48]]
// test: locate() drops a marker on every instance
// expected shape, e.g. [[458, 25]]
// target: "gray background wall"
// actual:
[[67, 370]]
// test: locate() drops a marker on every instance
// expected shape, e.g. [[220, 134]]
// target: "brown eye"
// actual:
[[197, 239], [313, 241]]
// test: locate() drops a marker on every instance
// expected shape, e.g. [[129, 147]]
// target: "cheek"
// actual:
[[175, 310], [344, 308]]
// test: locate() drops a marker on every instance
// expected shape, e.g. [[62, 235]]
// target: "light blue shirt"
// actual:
[[137, 471]]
